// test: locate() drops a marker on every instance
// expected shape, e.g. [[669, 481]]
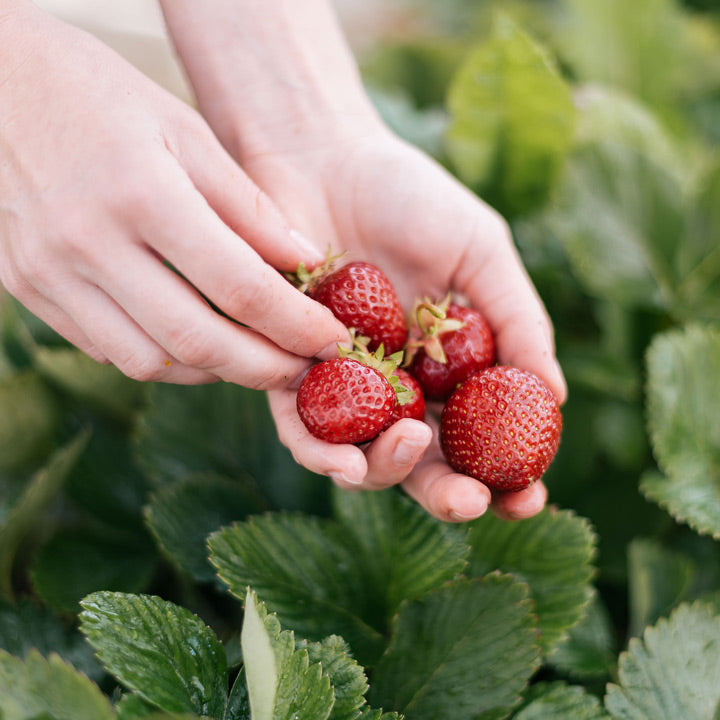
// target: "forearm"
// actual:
[[261, 68]]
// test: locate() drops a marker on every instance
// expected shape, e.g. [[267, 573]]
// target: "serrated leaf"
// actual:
[[589, 649], [183, 514], [558, 700], [161, 651], [511, 161], [39, 492], [281, 682], [658, 578], [27, 625], [683, 395], [346, 677], [403, 551], [48, 688], [305, 571], [74, 563], [553, 552], [673, 671], [101, 387], [28, 420], [469, 645], [373, 714]]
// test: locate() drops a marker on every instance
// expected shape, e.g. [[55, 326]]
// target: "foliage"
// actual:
[[163, 557]]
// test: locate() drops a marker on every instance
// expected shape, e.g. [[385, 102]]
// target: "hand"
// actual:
[[372, 195], [105, 180]]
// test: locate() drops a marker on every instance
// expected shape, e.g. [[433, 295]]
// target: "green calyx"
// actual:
[[304, 280], [431, 319], [377, 360]]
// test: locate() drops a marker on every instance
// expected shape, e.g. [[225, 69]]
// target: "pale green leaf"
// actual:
[[48, 688], [512, 120], [552, 701], [683, 396], [552, 552], [163, 652], [673, 671], [305, 570], [469, 645], [402, 550], [37, 495], [28, 419], [281, 682], [182, 515], [75, 563], [659, 579], [101, 387]]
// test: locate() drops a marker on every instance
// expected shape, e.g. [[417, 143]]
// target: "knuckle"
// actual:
[[143, 368], [249, 300], [192, 347]]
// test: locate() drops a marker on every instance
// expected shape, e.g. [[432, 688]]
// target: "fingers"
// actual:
[[247, 210], [495, 281], [235, 277], [520, 505]]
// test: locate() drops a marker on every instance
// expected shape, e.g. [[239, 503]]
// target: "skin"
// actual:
[[279, 96]]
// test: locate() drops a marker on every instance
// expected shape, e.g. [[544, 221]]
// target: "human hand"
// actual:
[[377, 198], [105, 179]]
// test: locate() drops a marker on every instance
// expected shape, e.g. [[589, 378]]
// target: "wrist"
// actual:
[[268, 73]]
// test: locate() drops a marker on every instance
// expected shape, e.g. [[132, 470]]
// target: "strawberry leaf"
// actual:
[[162, 652], [281, 682], [48, 688], [469, 645], [306, 572], [494, 149], [683, 396], [553, 552], [183, 514], [549, 701], [672, 672]]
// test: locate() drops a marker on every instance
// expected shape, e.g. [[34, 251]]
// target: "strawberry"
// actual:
[[352, 398], [501, 426], [415, 407], [455, 341], [362, 297]]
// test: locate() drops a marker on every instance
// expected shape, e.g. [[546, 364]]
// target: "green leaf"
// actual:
[[75, 563], [621, 217], [553, 552], [683, 396], [372, 714], [402, 551], [281, 682], [512, 120], [39, 492], [469, 645], [50, 689], [28, 420], [659, 579], [163, 652], [183, 514], [27, 626], [224, 429], [305, 570], [347, 678], [589, 649], [100, 387], [673, 671], [550, 701]]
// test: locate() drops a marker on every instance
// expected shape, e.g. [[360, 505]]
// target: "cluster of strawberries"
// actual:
[[498, 424]]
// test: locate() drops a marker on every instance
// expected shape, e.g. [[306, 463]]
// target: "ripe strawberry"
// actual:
[[362, 297], [415, 407], [344, 401], [455, 342], [501, 426]]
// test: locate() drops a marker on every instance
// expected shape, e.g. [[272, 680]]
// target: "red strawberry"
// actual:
[[344, 401], [456, 341], [501, 426], [415, 407], [362, 297]]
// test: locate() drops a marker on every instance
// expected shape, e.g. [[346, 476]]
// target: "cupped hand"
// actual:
[[381, 200], [123, 222]]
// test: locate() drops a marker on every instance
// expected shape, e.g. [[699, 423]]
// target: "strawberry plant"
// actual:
[[162, 556]]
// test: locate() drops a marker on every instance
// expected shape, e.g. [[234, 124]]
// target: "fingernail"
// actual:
[[307, 248], [331, 351], [472, 509], [409, 450], [342, 479]]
